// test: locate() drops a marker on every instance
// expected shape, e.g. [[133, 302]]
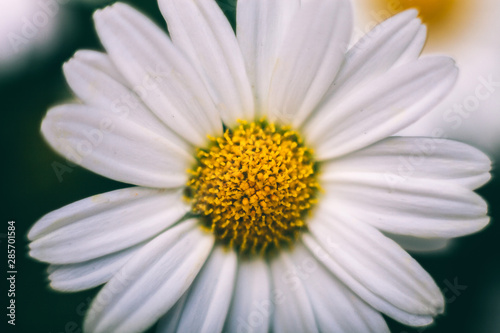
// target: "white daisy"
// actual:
[[288, 217]]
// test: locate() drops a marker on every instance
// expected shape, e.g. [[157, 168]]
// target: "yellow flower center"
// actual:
[[444, 18], [430, 11], [254, 186]]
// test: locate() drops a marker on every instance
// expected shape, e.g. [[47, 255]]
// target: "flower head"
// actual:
[[269, 194]]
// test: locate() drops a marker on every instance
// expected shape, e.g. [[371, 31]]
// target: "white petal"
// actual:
[[293, 311], [200, 29], [89, 274], [418, 244], [309, 58], [382, 107], [362, 248], [158, 72], [336, 308], [400, 158], [208, 301], [194, 312], [415, 47], [377, 51], [105, 223], [252, 306], [261, 26], [100, 61], [375, 267], [115, 147], [169, 322], [415, 207], [97, 88], [377, 300], [151, 282]]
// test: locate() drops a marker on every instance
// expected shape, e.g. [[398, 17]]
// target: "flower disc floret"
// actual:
[[253, 186]]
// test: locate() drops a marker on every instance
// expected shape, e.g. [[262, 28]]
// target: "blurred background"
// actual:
[[36, 37]]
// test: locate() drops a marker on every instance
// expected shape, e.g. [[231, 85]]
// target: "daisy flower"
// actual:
[[268, 189]]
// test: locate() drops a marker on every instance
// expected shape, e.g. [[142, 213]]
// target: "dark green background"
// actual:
[[31, 189]]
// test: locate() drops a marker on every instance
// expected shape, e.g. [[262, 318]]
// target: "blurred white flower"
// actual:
[[28, 29], [468, 31]]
